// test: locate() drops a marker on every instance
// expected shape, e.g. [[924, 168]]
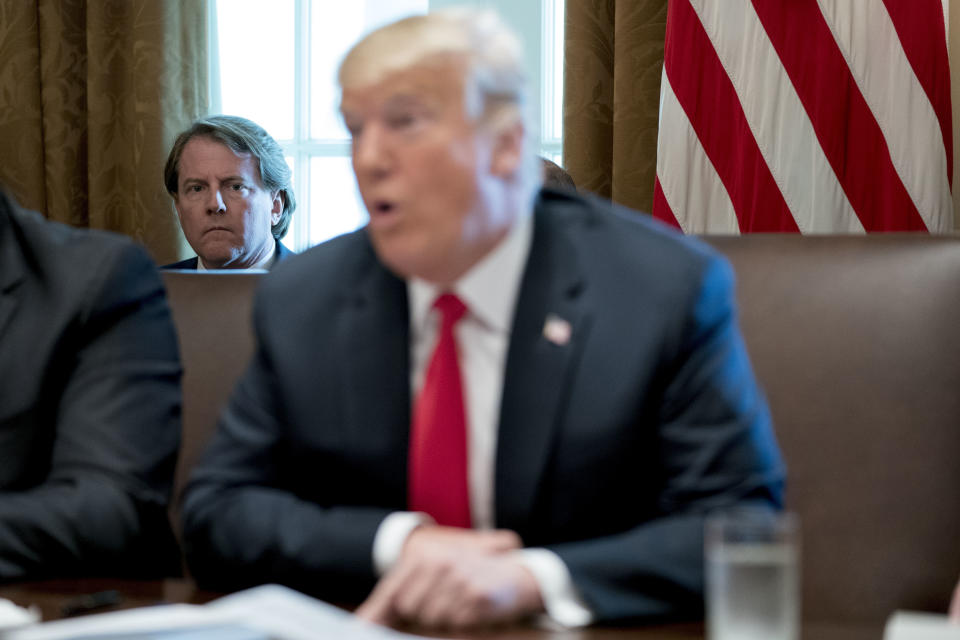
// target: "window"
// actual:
[[276, 63]]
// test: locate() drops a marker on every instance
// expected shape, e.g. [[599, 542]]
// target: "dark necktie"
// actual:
[[438, 440]]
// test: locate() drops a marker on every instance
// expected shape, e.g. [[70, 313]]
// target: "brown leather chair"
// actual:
[[211, 311], [856, 340]]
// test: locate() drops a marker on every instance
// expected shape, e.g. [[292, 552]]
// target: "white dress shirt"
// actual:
[[489, 290]]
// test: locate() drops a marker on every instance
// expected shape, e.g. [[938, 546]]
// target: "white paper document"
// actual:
[[270, 612], [12, 616], [910, 625]]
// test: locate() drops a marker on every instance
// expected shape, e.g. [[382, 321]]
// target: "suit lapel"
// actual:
[[8, 304], [11, 271], [549, 330], [12, 275], [375, 335]]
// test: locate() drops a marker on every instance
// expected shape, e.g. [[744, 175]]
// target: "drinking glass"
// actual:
[[753, 575]]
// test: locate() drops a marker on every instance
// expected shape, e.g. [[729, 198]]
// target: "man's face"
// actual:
[[225, 212], [424, 170]]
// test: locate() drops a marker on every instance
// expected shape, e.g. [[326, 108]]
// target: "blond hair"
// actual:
[[495, 87]]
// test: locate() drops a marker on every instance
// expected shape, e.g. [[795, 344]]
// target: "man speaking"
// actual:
[[492, 402]]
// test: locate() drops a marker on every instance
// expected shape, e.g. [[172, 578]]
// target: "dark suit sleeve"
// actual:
[[716, 448], [245, 523], [101, 507]]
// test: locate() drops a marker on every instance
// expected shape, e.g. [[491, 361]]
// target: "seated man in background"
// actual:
[[231, 187], [89, 404], [493, 401]]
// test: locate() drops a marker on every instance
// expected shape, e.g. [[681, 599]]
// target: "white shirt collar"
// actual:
[[489, 288]]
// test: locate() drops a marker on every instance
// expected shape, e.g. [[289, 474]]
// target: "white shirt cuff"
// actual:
[[391, 535], [560, 598]]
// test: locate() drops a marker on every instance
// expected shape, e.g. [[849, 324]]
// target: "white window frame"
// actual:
[[537, 22]]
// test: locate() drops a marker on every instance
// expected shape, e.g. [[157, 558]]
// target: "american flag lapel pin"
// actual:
[[557, 330]]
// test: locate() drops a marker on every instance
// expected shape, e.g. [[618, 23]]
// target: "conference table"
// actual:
[[57, 598]]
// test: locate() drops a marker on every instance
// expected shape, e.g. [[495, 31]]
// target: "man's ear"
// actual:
[[277, 209], [507, 150]]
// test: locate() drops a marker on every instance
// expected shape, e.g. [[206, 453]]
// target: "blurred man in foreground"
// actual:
[[89, 404], [493, 401], [231, 187]]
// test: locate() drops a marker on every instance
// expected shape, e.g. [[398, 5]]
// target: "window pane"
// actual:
[[557, 64], [300, 219], [256, 62], [335, 205], [332, 33], [330, 37], [258, 40], [292, 163]]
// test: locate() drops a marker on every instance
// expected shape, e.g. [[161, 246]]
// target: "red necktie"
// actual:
[[438, 441]]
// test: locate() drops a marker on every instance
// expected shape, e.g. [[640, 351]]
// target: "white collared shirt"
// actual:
[[489, 290]]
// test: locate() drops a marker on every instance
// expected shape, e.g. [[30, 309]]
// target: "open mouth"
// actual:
[[382, 207]]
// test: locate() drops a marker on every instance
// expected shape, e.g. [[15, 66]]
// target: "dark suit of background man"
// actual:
[[231, 187], [89, 403], [608, 396]]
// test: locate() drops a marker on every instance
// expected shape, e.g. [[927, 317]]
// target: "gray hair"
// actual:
[[496, 90], [241, 136]]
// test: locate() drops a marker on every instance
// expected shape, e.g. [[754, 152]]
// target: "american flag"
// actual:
[[811, 116]]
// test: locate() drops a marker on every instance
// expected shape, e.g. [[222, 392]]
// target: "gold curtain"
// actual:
[[613, 57], [92, 93]]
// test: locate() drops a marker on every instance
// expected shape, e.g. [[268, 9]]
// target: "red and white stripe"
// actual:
[[829, 116]]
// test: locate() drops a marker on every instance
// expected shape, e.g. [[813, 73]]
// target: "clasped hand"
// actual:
[[455, 578]]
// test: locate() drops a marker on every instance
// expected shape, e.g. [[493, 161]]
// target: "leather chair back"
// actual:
[[856, 340], [211, 311]]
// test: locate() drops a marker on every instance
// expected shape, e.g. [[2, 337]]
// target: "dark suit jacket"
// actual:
[[281, 253], [610, 448], [89, 404]]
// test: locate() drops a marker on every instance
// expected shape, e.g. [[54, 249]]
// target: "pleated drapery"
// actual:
[[92, 94], [613, 52]]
